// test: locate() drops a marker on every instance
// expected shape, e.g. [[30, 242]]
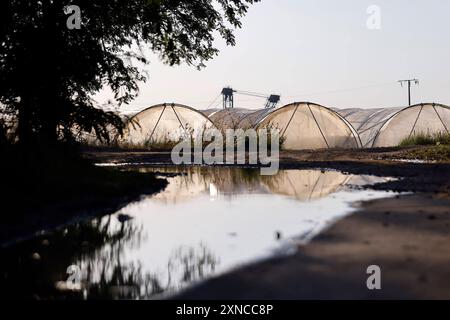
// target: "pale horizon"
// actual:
[[318, 51]]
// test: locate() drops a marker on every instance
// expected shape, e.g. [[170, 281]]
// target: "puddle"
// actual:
[[207, 221], [417, 161]]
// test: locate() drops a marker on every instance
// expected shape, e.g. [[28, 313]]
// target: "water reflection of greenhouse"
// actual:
[[302, 185]]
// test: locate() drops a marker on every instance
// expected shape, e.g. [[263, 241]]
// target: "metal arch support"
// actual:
[[417, 119], [370, 128], [368, 120], [157, 122], [370, 142], [439, 116], [314, 117], [354, 132], [387, 121], [179, 120], [290, 119], [176, 114]]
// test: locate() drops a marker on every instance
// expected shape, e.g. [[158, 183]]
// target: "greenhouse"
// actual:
[[302, 125], [367, 122], [306, 125], [229, 118], [387, 127], [251, 120], [165, 123]]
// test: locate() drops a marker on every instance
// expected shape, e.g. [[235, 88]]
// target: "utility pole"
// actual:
[[409, 81]]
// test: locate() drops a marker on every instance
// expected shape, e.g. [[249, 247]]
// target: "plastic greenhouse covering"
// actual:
[[303, 125], [237, 118], [166, 122], [387, 127], [229, 118], [306, 125], [367, 122]]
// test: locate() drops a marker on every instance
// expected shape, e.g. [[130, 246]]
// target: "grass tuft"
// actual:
[[426, 139]]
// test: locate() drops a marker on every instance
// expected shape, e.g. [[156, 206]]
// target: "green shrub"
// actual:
[[424, 139]]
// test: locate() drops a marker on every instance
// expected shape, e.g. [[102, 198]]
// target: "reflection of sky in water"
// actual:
[[212, 220], [207, 221]]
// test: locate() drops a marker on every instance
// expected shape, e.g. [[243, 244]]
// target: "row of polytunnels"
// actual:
[[302, 125]]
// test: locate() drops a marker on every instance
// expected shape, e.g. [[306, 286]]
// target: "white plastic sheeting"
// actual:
[[387, 127], [367, 122], [426, 119], [165, 123], [237, 118], [305, 125], [229, 118]]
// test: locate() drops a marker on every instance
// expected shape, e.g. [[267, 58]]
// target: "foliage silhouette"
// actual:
[[50, 72], [99, 248]]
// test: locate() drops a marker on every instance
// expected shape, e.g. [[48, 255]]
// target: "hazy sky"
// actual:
[[320, 51]]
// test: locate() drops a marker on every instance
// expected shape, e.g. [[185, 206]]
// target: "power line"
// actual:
[[341, 90], [254, 96], [215, 99]]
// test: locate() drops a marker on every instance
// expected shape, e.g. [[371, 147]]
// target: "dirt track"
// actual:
[[304, 155], [423, 177], [407, 236]]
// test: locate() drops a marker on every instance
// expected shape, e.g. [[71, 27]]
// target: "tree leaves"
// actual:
[[55, 71]]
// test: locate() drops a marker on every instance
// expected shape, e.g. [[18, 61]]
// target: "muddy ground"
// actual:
[[431, 177], [407, 236]]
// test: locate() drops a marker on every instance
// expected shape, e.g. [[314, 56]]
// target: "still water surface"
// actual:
[[206, 222]]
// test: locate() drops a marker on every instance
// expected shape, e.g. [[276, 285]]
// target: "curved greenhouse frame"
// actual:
[[305, 125], [236, 118], [165, 123], [387, 127], [229, 118], [426, 119], [251, 120], [367, 122]]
